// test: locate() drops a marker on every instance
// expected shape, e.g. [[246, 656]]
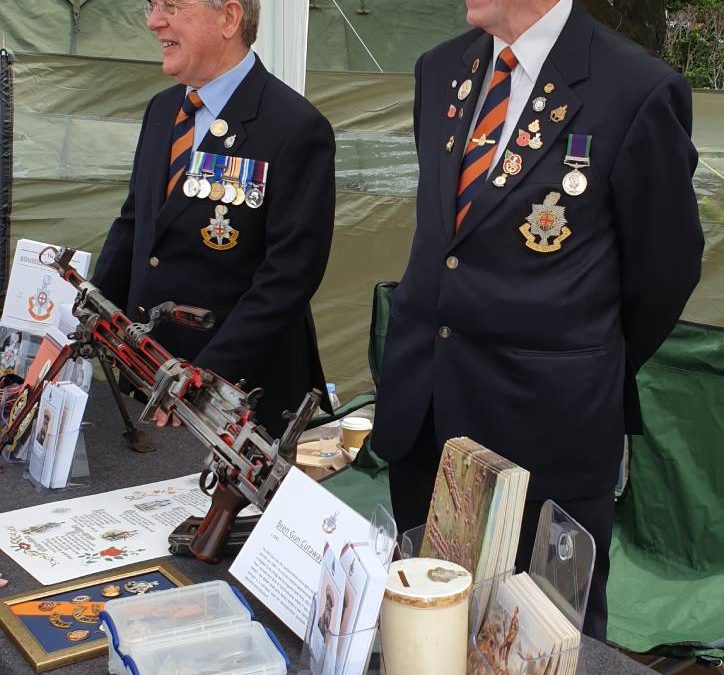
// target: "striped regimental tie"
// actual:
[[183, 139], [481, 150]]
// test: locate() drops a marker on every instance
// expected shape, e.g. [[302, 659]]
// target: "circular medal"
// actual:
[[217, 192], [229, 194], [78, 635], [47, 606], [465, 89], [539, 104], [204, 189], [240, 196], [191, 187], [575, 183], [254, 198], [219, 128], [111, 591]]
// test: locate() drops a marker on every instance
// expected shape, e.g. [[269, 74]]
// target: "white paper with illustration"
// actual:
[[72, 538], [35, 291]]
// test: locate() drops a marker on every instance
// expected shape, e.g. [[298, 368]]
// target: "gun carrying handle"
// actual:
[[208, 543]]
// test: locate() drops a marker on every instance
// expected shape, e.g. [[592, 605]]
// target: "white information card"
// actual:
[[68, 539], [280, 562]]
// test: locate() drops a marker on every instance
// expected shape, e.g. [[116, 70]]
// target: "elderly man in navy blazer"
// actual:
[[230, 206], [557, 242]]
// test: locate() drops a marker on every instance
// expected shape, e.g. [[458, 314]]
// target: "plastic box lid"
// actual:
[[130, 621], [241, 649]]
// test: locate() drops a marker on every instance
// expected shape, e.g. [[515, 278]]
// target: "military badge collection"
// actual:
[[230, 180], [82, 609], [233, 181], [546, 226]]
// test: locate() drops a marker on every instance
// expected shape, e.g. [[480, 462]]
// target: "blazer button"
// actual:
[[452, 263], [444, 332], [153, 261]]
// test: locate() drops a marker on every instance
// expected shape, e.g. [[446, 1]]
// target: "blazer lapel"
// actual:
[[158, 172], [567, 63], [455, 129], [240, 108]]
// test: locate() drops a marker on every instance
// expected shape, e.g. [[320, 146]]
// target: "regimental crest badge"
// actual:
[[40, 305], [329, 524], [547, 221], [219, 234]]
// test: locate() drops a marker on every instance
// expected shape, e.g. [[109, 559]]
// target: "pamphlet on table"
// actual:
[[68, 539]]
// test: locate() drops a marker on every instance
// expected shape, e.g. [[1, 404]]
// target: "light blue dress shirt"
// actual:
[[216, 95]]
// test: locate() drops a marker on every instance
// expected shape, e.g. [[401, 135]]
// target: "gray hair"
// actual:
[[252, 9]]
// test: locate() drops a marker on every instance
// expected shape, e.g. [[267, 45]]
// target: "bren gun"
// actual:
[[244, 466]]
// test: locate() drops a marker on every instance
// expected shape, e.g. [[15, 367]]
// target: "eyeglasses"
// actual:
[[168, 7]]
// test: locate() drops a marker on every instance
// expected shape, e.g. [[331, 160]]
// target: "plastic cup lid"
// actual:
[[356, 424]]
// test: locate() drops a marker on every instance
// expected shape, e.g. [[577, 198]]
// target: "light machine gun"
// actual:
[[244, 466]]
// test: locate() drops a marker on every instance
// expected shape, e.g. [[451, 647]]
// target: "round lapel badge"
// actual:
[[219, 128], [465, 89]]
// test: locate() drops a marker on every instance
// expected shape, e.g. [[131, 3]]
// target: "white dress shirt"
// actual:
[[531, 49]]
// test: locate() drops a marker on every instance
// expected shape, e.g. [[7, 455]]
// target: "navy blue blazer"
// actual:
[[535, 354], [260, 289]]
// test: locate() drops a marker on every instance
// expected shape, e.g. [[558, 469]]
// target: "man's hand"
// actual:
[[162, 419]]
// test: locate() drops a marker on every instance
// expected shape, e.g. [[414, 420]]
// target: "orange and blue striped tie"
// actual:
[[182, 139], [481, 150]]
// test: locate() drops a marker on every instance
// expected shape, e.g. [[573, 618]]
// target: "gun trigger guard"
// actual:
[[206, 485]]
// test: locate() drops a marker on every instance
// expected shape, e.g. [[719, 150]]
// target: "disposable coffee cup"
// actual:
[[354, 431]]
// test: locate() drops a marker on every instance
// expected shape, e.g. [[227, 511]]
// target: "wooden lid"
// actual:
[[427, 583]]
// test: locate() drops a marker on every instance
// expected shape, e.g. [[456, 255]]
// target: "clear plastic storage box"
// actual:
[[241, 649], [175, 613]]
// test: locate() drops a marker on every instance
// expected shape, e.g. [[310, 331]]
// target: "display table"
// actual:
[[112, 466]]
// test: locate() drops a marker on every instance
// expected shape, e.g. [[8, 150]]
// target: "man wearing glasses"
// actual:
[[230, 206]]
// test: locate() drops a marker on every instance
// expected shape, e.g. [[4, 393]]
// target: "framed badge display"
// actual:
[[59, 625]]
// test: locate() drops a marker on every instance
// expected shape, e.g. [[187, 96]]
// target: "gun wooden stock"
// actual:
[[208, 544]]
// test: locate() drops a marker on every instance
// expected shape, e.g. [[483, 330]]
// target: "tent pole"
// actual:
[[6, 164]]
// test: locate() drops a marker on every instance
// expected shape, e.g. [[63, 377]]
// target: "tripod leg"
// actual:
[[135, 438]]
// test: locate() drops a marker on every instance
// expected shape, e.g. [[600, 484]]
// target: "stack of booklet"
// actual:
[[524, 632], [347, 607], [56, 433], [476, 510]]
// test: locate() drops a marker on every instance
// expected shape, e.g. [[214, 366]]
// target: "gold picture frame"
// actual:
[[33, 623]]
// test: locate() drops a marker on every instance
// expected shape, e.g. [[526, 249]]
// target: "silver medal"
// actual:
[[575, 183], [254, 198], [191, 187], [229, 141], [229, 194], [204, 189]]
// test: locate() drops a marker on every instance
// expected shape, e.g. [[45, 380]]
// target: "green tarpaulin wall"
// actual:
[[85, 70]]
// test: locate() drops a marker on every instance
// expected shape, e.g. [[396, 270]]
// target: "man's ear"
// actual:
[[233, 18]]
